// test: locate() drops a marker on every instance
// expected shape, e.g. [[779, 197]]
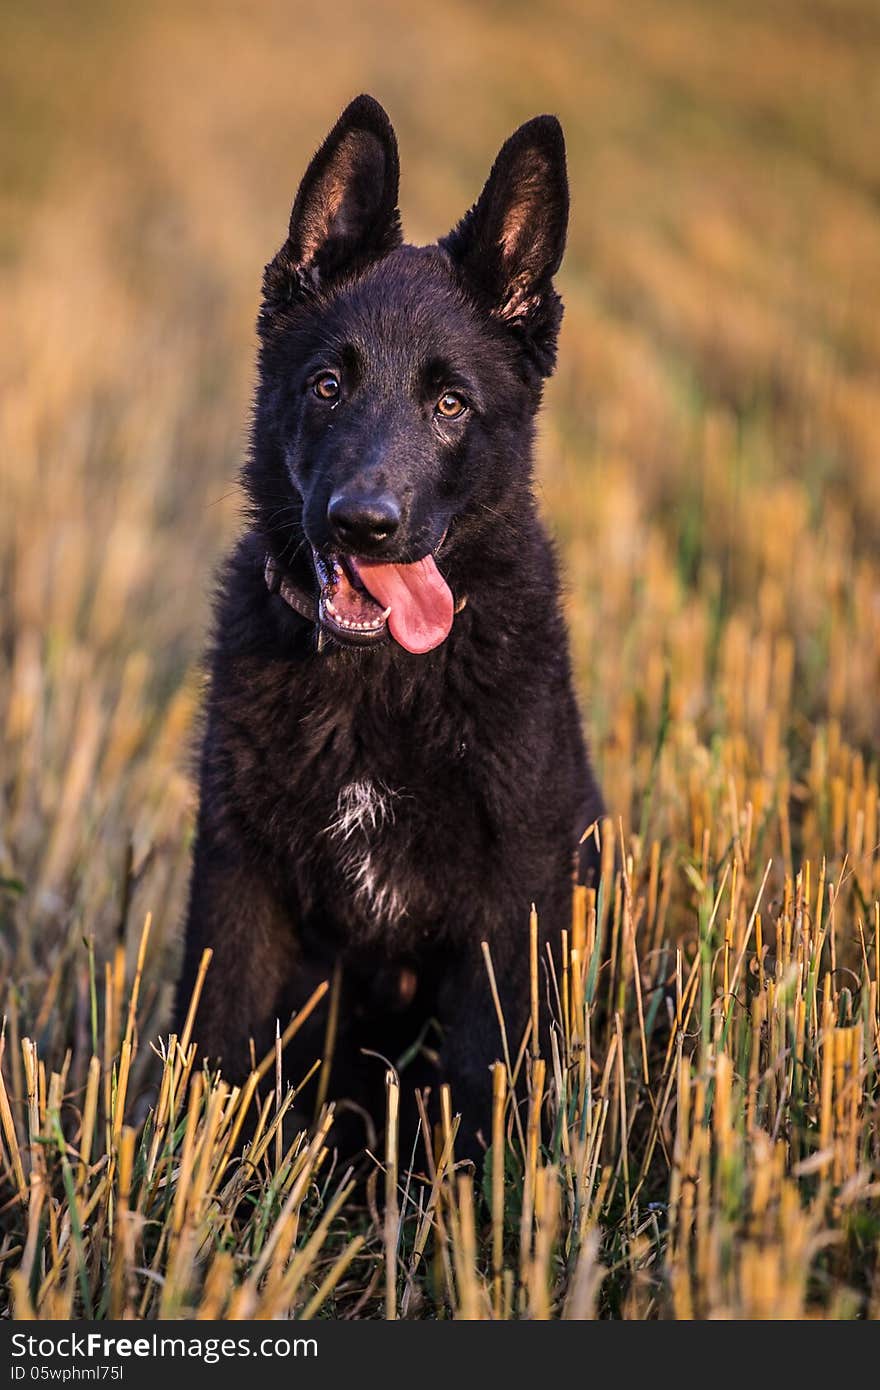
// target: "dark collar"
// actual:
[[302, 602]]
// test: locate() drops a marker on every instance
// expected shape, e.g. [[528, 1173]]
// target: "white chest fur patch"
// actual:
[[363, 810], [362, 806]]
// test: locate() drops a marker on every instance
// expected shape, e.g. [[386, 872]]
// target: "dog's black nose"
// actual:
[[360, 518]]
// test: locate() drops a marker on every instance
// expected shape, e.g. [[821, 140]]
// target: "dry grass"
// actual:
[[704, 1139]]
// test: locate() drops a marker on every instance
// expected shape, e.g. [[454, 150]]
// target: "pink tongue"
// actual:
[[419, 598]]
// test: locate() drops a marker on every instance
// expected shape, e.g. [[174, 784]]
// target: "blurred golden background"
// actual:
[[710, 451]]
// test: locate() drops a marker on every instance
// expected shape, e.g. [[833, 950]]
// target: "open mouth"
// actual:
[[362, 602]]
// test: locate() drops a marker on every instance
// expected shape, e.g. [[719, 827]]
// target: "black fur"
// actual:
[[476, 746]]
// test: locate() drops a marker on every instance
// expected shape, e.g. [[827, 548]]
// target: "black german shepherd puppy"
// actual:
[[393, 768]]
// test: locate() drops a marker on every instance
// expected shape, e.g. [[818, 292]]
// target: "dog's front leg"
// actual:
[[235, 912], [473, 1041]]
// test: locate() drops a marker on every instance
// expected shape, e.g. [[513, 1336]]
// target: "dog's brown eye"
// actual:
[[450, 405], [326, 388]]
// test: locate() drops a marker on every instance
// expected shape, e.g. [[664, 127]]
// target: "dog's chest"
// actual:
[[369, 836]]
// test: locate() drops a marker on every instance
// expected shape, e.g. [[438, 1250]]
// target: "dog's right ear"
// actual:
[[345, 212]]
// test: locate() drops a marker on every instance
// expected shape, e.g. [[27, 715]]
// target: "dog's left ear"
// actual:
[[345, 212], [509, 246]]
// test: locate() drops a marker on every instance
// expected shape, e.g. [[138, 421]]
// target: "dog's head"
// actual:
[[398, 384]]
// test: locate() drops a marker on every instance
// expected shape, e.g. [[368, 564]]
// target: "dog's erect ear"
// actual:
[[345, 212], [509, 246]]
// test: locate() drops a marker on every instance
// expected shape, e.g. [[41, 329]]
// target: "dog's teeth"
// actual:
[[366, 625]]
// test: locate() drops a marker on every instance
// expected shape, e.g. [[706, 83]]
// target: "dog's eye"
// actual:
[[450, 406], [326, 388]]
